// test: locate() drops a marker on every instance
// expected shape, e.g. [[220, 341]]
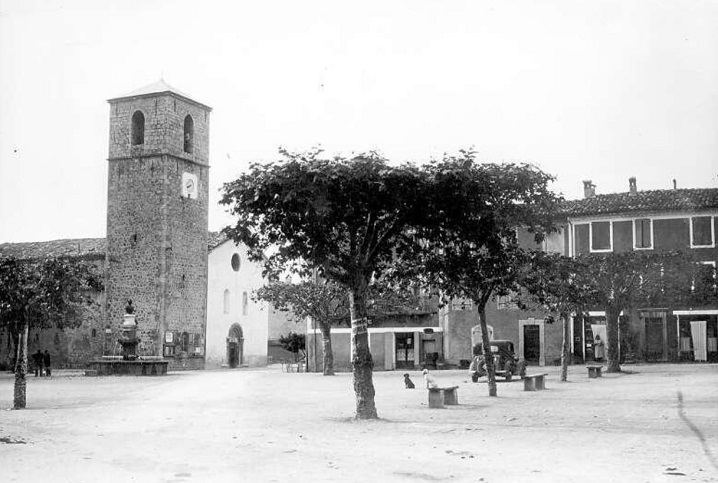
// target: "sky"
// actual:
[[585, 90]]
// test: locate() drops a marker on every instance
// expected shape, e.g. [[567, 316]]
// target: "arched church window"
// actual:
[[226, 301], [245, 303], [188, 134], [138, 128]]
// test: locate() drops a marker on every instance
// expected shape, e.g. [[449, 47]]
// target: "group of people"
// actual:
[[42, 363]]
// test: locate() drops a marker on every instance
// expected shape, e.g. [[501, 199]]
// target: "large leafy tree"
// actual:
[[471, 248], [42, 293], [621, 281], [345, 217]]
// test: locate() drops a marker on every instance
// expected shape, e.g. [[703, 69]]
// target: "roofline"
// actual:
[[152, 94]]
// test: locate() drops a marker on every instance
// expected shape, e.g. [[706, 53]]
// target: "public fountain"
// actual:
[[129, 362]]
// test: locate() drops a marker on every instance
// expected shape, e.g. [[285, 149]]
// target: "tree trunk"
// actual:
[[362, 363], [565, 346], [486, 343], [328, 355], [20, 393], [13, 340], [612, 349]]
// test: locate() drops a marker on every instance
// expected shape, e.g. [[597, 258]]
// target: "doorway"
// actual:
[[578, 340], [235, 346], [532, 344], [655, 339], [404, 350]]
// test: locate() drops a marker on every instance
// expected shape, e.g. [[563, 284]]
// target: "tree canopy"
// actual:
[[471, 246], [42, 293], [357, 218], [345, 217]]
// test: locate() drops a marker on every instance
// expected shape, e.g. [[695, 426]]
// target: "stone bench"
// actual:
[[534, 382], [594, 371], [440, 396]]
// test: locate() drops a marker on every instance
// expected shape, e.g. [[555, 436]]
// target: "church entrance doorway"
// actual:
[[235, 346]]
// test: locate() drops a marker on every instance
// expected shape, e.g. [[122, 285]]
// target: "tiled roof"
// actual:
[[158, 87], [77, 247], [215, 239], [644, 201]]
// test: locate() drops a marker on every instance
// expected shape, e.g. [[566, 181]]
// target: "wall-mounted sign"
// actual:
[[169, 337]]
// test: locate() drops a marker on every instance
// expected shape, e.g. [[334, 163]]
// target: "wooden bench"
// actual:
[[440, 396], [534, 382], [594, 371]]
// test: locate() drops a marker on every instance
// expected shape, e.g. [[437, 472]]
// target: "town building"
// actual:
[[403, 339], [655, 220]]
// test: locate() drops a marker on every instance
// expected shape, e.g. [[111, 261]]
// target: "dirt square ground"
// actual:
[[655, 423]]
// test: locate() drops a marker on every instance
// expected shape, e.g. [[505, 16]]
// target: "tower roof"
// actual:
[[159, 87]]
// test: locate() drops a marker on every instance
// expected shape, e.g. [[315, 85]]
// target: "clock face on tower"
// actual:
[[189, 186]]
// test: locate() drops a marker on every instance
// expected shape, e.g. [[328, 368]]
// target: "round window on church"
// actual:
[[235, 262]]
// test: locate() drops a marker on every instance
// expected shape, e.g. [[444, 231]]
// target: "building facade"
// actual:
[[657, 220], [237, 326], [406, 340]]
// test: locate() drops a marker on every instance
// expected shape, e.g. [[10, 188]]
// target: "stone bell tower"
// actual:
[[157, 206]]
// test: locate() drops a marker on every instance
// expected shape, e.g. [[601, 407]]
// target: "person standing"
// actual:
[[46, 363], [37, 361], [599, 349]]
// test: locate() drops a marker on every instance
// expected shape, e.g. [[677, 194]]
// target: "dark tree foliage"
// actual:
[[344, 217], [470, 248], [293, 342], [42, 293]]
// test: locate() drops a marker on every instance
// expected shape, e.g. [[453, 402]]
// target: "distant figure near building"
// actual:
[[408, 383], [599, 349], [430, 380], [129, 309], [37, 361], [47, 363]]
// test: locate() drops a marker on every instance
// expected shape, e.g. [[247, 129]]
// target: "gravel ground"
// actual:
[[654, 423]]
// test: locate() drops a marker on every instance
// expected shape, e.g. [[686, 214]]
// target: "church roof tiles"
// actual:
[[74, 248]]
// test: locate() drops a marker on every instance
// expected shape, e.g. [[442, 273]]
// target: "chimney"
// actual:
[[589, 189], [632, 185], [675, 184]]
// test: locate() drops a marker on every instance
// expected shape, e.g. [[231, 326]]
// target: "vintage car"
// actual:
[[506, 363]]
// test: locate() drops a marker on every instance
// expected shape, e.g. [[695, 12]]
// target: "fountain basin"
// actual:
[[116, 366]]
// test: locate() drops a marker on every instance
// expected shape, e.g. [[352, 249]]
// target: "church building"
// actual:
[[157, 249]]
